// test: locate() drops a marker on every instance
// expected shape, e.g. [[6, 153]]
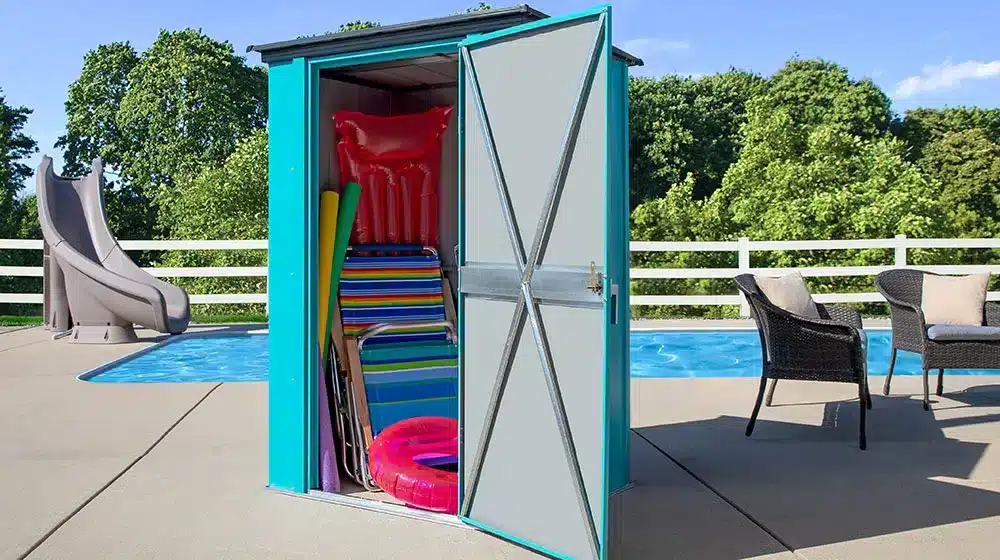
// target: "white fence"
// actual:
[[164, 272], [742, 247]]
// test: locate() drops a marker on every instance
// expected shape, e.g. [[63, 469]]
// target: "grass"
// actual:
[[31, 320], [19, 320], [227, 319]]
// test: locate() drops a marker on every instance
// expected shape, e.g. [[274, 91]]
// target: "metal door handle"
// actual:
[[613, 303]]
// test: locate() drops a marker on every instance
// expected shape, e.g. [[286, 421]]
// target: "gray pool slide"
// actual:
[[91, 285]]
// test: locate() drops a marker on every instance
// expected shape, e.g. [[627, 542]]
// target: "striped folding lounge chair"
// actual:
[[403, 360]]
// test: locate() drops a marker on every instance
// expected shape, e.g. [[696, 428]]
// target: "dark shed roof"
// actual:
[[437, 29]]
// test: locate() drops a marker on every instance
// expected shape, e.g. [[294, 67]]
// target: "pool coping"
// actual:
[[94, 372]]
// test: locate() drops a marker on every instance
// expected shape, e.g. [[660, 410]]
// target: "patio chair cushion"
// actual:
[[944, 333], [949, 300], [789, 293]]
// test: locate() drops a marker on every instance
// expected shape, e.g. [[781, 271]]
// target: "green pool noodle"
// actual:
[[345, 219]]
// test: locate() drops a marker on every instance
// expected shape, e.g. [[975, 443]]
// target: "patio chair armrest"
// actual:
[[840, 314], [992, 313], [907, 309], [909, 330], [809, 344]]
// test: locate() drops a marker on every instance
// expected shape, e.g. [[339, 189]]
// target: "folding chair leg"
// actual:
[[940, 387], [888, 378], [770, 392], [864, 401], [357, 382], [756, 406]]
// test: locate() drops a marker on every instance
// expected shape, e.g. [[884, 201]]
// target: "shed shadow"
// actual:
[[670, 515]]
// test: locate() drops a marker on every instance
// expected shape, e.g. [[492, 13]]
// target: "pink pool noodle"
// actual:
[[329, 473]]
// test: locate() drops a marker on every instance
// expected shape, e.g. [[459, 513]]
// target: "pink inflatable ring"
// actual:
[[401, 460]]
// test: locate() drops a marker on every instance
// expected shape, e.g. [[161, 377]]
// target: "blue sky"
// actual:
[[920, 53]]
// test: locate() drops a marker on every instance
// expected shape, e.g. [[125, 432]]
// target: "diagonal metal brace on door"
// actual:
[[527, 308]]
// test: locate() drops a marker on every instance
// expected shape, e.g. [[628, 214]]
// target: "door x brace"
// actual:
[[527, 308]]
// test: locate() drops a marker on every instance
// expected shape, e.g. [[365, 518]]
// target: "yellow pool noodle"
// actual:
[[329, 203]]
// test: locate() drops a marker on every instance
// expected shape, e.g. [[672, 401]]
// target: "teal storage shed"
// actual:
[[533, 199]]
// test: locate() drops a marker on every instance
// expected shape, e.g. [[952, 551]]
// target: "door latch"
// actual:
[[596, 282]]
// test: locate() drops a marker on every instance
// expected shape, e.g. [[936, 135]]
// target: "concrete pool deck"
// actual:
[[178, 471]]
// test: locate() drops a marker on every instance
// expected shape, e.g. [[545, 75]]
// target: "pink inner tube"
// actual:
[[394, 461]]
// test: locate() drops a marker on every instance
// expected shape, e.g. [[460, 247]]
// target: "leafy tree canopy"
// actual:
[[15, 147], [226, 202], [229, 201], [357, 25], [817, 163], [920, 127], [813, 159], [92, 106], [480, 7], [190, 100], [681, 126], [965, 167]]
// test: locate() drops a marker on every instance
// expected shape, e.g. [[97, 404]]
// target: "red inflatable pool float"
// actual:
[[401, 460], [397, 162]]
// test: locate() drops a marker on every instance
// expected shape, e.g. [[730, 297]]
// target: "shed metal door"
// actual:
[[533, 293]]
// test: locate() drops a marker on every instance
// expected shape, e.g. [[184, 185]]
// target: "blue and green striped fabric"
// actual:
[[392, 289], [406, 380], [406, 373]]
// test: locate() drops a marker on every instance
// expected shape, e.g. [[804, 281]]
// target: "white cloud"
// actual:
[[648, 46], [946, 76]]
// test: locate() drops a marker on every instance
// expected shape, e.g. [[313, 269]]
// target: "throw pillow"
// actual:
[[789, 293], [954, 300]]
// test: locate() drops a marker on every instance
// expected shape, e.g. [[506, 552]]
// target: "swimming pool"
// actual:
[[736, 353], [230, 358], [207, 358]]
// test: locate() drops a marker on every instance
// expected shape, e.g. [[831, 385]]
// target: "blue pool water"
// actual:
[[230, 358], [211, 359], [737, 354]]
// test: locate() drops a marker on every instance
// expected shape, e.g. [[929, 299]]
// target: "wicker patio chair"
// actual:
[[950, 347], [831, 348]]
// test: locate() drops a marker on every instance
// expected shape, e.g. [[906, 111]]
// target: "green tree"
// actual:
[[679, 126], [92, 110], [15, 147], [29, 228], [190, 99], [480, 7], [810, 114], [816, 163], [92, 106], [657, 135], [920, 127], [357, 25], [966, 165], [227, 202]]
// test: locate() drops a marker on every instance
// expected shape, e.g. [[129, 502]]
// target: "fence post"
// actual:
[[743, 262], [899, 260]]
